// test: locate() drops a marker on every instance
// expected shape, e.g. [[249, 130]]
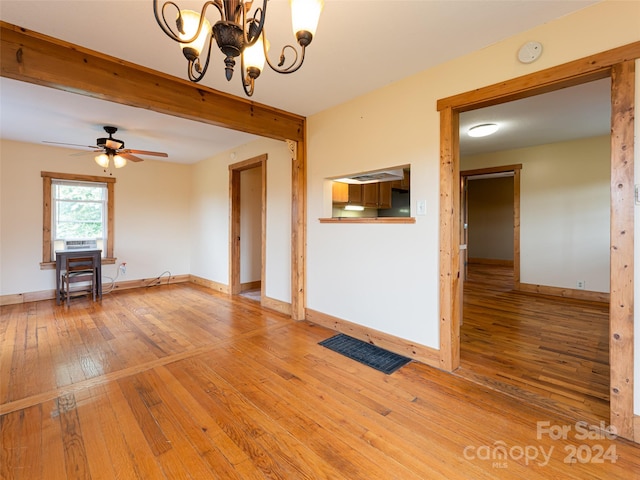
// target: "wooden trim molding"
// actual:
[[368, 220], [27, 297], [298, 152], [490, 261], [602, 297], [47, 178], [276, 305], [250, 285], [211, 284], [621, 318], [516, 169], [618, 64], [235, 171], [577, 72], [421, 353], [450, 284]]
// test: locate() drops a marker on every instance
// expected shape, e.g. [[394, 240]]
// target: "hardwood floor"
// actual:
[[177, 381], [545, 350]]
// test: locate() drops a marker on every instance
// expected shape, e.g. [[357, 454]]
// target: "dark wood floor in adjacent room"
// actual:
[[177, 381]]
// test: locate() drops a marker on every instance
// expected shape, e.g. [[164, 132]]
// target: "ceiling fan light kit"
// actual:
[[112, 150], [238, 33]]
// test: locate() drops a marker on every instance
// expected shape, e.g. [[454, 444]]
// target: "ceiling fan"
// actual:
[[113, 149]]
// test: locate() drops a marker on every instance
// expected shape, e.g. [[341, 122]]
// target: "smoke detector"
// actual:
[[530, 52]]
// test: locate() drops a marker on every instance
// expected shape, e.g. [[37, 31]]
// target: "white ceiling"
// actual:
[[332, 73]]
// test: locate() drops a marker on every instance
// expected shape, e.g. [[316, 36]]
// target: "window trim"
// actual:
[[47, 178]]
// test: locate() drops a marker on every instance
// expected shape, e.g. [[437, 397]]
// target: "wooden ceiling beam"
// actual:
[[39, 59]]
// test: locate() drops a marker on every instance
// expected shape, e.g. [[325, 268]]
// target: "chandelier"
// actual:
[[237, 34]]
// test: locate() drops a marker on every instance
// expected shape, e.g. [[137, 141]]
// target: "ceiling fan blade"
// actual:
[[70, 144], [128, 156], [145, 152], [81, 154]]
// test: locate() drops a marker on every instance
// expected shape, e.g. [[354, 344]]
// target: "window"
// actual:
[[376, 196], [79, 214], [77, 208]]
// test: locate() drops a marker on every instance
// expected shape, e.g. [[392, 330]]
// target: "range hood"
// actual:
[[374, 177]]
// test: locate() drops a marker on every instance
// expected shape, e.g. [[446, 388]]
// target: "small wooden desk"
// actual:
[[61, 259]]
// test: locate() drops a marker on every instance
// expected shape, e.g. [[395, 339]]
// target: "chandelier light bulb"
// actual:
[[305, 15], [189, 21], [254, 56]]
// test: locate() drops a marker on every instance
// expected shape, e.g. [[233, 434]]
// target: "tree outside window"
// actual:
[[79, 212], [77, 207]]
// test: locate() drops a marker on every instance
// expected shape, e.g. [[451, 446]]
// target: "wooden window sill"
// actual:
[[368, 220], [52, 265]]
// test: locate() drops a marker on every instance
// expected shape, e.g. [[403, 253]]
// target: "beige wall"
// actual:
[[386, 276], [564, 211], [151, 210], [490, 219], [250, 225], [210, 216]]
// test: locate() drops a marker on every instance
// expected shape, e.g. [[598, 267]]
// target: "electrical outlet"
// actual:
[[580, 285], [123, 269]]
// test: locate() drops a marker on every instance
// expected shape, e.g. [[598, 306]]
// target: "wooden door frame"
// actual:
[[235, 172], [516, 210], [619, 65]]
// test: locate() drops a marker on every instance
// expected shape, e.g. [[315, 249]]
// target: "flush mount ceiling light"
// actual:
[[238, 34], [483, 130]]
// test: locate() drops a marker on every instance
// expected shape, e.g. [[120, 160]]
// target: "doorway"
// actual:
[[503, 246], [547, 350], [248, 197], [616, 65]]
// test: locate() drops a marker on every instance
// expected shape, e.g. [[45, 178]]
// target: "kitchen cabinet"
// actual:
[[403, 184], [377, 195], [384, 195], [340, 193], [355, 194], [346, 194], [369, 195]]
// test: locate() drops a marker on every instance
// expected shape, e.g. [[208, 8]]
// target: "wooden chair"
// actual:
[[79, 269]]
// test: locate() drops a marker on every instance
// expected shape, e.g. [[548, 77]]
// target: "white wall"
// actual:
[[151, 224], [564, 210], [210, 216], [250, 225], [386, 276]]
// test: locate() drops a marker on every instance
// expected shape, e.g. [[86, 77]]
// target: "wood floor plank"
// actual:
[[51, 448], [9, 324], [178, 381], [114, 447], [531, 345], [100, 463], [75, 454], [203, 457]]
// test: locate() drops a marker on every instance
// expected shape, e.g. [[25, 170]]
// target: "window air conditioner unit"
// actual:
[[90, 244]]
